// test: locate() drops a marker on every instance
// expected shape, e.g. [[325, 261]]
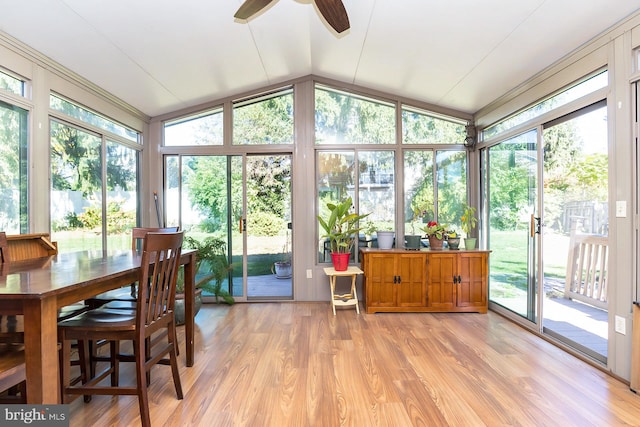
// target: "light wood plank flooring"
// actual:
[[295, 364]]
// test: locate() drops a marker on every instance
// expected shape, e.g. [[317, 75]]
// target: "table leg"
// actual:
[[354, 294], [41, 351], [189, 307]]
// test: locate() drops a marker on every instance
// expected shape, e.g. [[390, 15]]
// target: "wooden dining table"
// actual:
[[38, 288]]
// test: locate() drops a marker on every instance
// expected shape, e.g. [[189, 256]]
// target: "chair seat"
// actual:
[[102, 318]]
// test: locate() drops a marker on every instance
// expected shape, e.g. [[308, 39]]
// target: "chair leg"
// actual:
[[65, 366], [173, 360], [114, 351], [141, 380], [85, 364]]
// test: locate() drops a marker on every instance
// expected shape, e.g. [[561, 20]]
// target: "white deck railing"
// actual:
[[586, 279]]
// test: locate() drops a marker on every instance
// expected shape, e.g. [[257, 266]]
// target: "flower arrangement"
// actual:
[[435, 229], [468, 219]]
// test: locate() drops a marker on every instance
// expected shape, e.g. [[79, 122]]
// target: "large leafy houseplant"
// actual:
[[212, 253], [341, 226]]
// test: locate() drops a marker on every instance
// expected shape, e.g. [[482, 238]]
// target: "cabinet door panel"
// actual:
[[411, 289], [380, 287], [441, 269], [472, 290]]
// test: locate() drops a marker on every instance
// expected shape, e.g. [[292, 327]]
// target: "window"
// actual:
[[76, 188], [420, 127], [343, 118], [13, 169], [94, 182], [434, 184], [579, 90], [435, 188], [264, 120], [202, 129], [370, 175], [94, 119], [11, 84]]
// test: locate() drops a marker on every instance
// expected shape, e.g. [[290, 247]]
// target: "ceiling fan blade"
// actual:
[[250, 8], [335, 14]]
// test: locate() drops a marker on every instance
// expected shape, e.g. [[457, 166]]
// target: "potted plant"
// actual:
[[282, 268], [419, 210], [341, 228], [469, 222], [453, 239], [436, 234], [212, 253]]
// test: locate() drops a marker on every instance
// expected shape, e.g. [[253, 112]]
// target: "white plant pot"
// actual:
[[282, 270], [385, 239]]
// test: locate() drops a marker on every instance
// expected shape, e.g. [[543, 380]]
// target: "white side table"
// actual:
[[344, 299]]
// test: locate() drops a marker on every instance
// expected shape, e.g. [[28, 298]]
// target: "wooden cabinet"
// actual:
[[458, 281], [397, 280]]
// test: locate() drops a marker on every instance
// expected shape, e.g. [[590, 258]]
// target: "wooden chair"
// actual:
[[12, 374], [4, 248], [127, 294], [151, 327]]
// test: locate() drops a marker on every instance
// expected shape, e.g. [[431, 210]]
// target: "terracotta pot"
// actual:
[[435, 243]]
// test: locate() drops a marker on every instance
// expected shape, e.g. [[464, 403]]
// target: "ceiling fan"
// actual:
[[332, 10]]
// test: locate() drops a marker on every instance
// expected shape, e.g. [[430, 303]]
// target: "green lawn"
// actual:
[[508, 260]]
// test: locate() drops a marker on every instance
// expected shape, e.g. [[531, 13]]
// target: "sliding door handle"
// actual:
[[535, 226]]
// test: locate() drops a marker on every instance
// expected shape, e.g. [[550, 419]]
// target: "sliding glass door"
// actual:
[[511, 173], [266, 227], [546, 198], [244, 201], [576, 224]]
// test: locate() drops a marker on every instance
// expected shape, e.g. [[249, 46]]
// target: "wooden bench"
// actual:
[[586, 277]]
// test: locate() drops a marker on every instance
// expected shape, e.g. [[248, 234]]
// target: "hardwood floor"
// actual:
[[295, 364]]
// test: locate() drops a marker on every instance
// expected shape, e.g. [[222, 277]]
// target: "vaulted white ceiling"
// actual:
[[164, 55]]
